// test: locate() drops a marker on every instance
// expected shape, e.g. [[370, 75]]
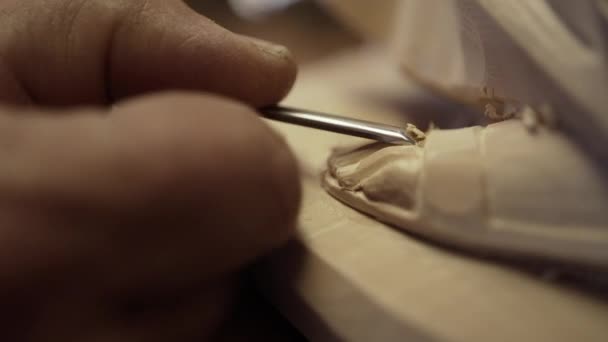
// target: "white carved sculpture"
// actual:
[[534, 184]]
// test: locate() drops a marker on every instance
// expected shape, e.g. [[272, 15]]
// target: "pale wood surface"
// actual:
[[348, 277]]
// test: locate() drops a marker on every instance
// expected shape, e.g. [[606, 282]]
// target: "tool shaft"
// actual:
[[364, 129]]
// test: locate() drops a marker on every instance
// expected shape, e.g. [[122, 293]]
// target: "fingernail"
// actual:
[[275, 50]]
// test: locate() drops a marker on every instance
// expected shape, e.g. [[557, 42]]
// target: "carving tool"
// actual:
[[339, 124]]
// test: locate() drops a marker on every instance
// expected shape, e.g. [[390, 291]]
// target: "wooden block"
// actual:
[[350, 278]]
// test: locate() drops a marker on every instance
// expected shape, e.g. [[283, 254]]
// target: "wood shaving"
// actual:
[[415, 133]]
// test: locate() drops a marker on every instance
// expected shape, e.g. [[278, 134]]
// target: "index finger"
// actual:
[[95, 52]]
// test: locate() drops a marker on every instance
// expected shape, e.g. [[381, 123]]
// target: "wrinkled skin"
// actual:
[[131, 222]]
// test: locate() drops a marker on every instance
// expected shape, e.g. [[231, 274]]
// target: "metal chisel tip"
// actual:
[[338, 124]]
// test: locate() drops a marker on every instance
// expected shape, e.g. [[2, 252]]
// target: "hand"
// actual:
[[130, 224]]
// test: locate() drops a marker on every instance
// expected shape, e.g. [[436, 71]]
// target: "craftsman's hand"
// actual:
[[131, 224]]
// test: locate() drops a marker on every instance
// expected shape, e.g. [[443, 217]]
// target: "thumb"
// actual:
[[84, 52], [143, 195]]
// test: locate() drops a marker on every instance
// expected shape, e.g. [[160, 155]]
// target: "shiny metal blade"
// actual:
[[338, 124]]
